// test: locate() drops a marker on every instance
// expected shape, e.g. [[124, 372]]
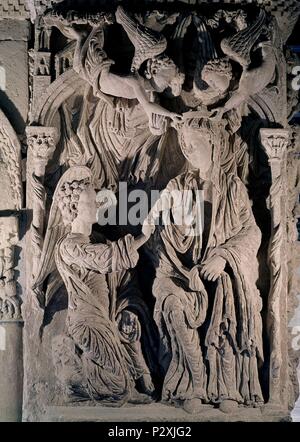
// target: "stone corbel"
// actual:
[[275, 143], [42, 144]]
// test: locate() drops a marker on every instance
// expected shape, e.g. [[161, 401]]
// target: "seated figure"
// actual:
[[207, 303]]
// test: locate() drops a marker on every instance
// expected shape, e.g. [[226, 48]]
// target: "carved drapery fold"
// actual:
[[122, 109]]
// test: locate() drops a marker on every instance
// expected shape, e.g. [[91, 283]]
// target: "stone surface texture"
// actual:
[[175, 123]]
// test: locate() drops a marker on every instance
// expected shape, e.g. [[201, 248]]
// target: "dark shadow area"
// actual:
[[12, 113]]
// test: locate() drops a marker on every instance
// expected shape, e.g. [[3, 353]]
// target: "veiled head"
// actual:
[[200, 142]]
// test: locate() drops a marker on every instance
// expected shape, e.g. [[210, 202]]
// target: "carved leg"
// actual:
[[130, 335], [185, 378]]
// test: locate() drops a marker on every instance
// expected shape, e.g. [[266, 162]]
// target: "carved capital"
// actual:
[[42, 142], [275, 143]]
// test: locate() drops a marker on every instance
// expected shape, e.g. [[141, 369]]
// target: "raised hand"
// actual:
[[148, 227]]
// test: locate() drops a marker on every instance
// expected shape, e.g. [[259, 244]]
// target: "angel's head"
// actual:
[[239, 19], [164, 74], [217, 74], [76, 201]]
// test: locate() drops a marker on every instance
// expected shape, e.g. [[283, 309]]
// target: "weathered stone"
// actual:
[[14, 30], [172, 300], [11, 363], [14, 94]]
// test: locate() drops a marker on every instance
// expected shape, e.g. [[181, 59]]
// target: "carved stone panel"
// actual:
[[160, 163]]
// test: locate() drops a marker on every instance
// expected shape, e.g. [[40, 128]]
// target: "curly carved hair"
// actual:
[[68, 197], [220, 66], [160, 63]]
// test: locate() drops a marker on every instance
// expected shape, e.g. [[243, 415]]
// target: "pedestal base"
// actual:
[[157, 413]]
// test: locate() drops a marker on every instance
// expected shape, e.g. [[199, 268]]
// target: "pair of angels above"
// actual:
[[153, 72]]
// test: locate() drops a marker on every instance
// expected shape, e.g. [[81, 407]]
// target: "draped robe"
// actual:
[[219, 361], [83, 267]]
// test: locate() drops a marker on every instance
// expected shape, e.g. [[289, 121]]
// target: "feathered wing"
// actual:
[[238, 47], [147, 43], [47, 269], [206, 51], [206, 48], [75, 153], [55, 230]]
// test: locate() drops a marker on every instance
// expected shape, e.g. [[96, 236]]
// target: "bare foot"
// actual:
[[228, 406], [147, 384], [193, 406]]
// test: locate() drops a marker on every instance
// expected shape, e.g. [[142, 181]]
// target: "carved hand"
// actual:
[[217, 114], [212, 268], [176, 118], [148, 227], [147, 230]]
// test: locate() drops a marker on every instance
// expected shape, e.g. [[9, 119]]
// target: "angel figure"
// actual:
[[105, 333], [92, 63], [217, 75], [243, 47], [207, 304]]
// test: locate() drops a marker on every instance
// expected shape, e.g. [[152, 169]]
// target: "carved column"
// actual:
[[42, 143], [275, 142], [11, 324]]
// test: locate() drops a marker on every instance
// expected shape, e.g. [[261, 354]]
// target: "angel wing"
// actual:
[[56, 229], [238, 47], [206, 51], [206, 47], [147, 43]]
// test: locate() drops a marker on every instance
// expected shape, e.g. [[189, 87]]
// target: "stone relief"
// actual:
[[105, 331], [218, 267], [11, 203], [193, 104]]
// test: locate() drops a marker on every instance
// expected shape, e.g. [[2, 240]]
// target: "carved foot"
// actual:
[[139, 398], [147, 384], [228, 406], [193, 406]]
